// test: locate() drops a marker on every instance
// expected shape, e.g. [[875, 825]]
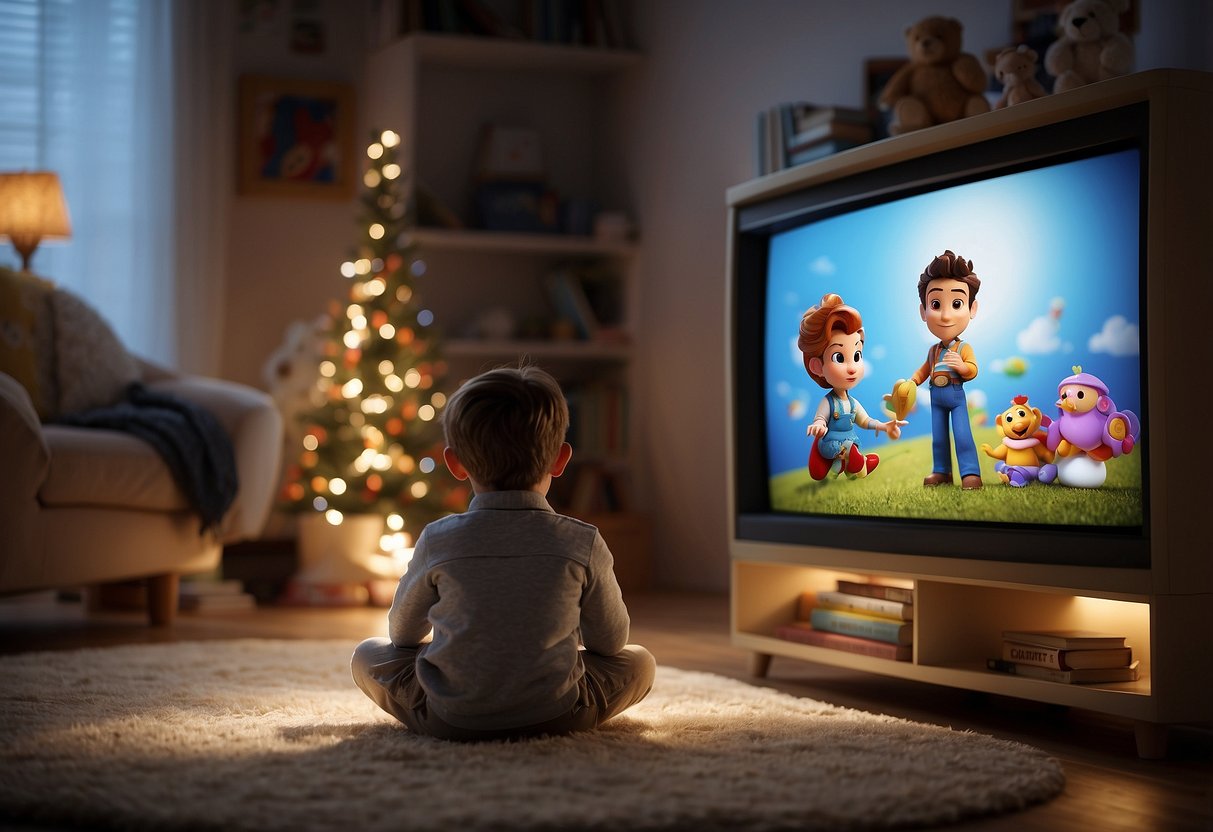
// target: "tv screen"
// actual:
[[1056, 409]]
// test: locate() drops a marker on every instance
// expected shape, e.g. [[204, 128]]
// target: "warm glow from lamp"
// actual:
[[32, 207]]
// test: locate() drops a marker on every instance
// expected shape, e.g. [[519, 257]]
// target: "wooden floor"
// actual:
[[1108, 787]]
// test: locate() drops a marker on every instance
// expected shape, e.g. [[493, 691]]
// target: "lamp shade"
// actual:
[[32, 207]]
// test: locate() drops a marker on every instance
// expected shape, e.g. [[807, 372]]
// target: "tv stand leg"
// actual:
[[760, 663], [1151, 739]]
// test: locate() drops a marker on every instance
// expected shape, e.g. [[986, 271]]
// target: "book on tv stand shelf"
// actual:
[[1065, 639], [864, 626], [1085, 676], [1056, 659], [893, 593], [802, 632], [880, 607]]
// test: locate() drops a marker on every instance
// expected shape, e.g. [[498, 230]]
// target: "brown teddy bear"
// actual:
[[939, 84], [1015, 69], [1091, 46]]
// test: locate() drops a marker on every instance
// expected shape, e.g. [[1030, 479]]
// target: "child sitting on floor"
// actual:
[[529, 626]]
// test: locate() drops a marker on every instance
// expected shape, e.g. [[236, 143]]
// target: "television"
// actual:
[[1086, 217]]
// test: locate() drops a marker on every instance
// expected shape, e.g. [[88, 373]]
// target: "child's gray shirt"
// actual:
[[511, 589]]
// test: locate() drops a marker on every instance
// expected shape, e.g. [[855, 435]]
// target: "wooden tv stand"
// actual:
[[961, 609], [962, 605]]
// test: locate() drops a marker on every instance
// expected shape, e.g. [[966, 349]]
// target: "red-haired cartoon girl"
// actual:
[[831, 339]]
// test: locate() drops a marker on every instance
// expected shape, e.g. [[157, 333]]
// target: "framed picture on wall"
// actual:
[[296, 138]]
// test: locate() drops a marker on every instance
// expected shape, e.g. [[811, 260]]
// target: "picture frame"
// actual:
[[296, 138]]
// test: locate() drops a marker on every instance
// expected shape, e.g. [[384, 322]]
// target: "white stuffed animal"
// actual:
[[291, 373], [1091, 46]]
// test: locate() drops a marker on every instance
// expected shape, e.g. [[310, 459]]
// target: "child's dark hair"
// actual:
[[507, 426], [952, 266]]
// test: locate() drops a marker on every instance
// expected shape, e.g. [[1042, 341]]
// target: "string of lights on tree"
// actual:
[[373, 442]]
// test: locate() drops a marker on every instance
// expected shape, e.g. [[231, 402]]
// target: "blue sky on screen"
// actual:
[[1057, 251]]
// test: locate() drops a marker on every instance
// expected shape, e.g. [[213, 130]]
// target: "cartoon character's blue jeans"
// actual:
[[949, 403]]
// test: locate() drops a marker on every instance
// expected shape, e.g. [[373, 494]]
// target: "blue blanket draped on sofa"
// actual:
[[188, 437]]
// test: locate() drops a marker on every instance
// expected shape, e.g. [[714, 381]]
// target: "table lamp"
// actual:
[[32, 207]]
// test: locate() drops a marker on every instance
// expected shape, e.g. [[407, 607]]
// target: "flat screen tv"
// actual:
[[1063, 215]]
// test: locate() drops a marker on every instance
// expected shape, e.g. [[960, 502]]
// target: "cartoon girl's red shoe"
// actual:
[[819, 466]]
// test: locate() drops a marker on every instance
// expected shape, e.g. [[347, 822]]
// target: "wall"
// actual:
[[711, 66], [283, 254]]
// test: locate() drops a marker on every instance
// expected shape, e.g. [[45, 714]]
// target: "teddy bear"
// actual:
[[1091, 46], [1015, 69], [939, 83]]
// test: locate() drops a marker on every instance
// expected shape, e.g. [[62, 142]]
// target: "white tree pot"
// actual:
[[343, 554]]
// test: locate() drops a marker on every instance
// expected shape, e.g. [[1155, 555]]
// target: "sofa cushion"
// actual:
[[106, 468], [92, 367]]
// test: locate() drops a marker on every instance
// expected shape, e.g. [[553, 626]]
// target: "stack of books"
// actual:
[[796, 133], [871, 619], [1067, 656], [214, 595]]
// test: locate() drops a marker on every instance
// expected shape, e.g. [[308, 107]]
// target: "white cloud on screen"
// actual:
[[1118, 337]]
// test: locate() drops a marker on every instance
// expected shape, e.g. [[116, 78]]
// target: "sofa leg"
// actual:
[[162, 593]]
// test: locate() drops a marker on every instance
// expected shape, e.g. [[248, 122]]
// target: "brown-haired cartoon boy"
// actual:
[[947, 294]]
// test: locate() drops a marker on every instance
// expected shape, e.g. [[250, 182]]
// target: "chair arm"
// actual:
[[255, 427], [26, 462]]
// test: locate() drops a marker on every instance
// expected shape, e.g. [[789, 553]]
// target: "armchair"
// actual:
[[81, 506]]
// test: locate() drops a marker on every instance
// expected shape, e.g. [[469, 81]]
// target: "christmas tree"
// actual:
[[372, 442]]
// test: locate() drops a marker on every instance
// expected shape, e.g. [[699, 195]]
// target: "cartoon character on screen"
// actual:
[[947, 295], [1089, 430], [1022, 456], [831, 339]]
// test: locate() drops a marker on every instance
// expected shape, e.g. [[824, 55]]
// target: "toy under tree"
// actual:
[[370, 444]]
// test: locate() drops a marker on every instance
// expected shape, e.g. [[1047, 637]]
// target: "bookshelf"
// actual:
[[440, 91]]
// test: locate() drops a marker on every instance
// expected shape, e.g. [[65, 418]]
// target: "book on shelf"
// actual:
[[797, 132], [432, 212], [598, 419], [1065, 639], [876, 590], [807, 116], [1081, 676], [571, 303], [214, 596], [595, 489], [590, 22], [218, 603], [1059, 659], [590, 297], [836, 131], [864, 626], [880, 607], [819, 150], [210, 586], [802, 632]]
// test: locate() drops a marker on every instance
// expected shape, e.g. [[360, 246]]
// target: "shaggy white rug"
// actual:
[[267, 735]]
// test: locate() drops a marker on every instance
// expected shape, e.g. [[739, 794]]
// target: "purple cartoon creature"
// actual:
[[1087, 432]]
